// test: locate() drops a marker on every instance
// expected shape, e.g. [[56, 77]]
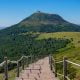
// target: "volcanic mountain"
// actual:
[[20, 39], [42, 22]]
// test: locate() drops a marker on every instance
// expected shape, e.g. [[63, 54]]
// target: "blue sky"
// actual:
[[13, 11]]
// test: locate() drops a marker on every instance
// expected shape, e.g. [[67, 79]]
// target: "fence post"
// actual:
[[23, 64], [50, 60], [55, 68], [31, 58], [6, 68], [64, 68], [51, 64], [18, 69], [27, 61]]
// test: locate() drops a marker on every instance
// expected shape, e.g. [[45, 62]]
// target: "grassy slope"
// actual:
[[72, 51], [69, 35], [11, 75]]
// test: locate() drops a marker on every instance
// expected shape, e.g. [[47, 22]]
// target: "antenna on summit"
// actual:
[[38, 12]]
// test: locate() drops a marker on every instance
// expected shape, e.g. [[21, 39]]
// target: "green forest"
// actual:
[[27, 44]]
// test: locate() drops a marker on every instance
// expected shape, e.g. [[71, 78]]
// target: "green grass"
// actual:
[[72, 51], [68, 35], [11, 74]]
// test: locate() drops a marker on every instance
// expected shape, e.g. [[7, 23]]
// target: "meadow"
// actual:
[[71, 51]]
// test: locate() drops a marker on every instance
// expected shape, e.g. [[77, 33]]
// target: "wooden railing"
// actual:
[[5, 65], [53, 66], [52, 62]]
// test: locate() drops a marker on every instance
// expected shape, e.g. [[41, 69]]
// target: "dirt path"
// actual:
[[38, 71]]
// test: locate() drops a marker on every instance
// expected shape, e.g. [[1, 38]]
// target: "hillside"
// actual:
[[45, 22], [41, 34], [43, 44], [75, 36], [28, 40], [19, 39], [23, 35], [41, 22], [72, 50], [26, 44]]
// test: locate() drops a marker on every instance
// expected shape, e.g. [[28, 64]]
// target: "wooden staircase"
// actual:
[[39, 70]]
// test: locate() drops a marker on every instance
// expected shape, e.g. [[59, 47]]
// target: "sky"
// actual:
[[13, 11]]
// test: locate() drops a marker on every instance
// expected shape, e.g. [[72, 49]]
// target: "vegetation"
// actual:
[[41, 22], [71, 51], [26, 44], [34, 36], [11, 74]]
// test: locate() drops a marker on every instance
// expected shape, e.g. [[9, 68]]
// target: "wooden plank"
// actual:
[[18, 69], [64, 68], [6, 68]]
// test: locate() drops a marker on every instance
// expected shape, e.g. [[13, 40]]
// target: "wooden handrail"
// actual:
[[2, 64], [73, 63], [5, 65], [65, 64], [59, 62], [52, 62], [18, 69]]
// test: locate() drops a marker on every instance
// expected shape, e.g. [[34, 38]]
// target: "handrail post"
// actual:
[[23, 64], [6, 68], [64, 68], [31, 58], [50, 60], [55, 68], [27, 61], [18, 69], [51, 64]]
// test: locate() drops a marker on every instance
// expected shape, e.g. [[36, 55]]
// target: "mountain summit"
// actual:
[[42, 22], [44, 18]]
